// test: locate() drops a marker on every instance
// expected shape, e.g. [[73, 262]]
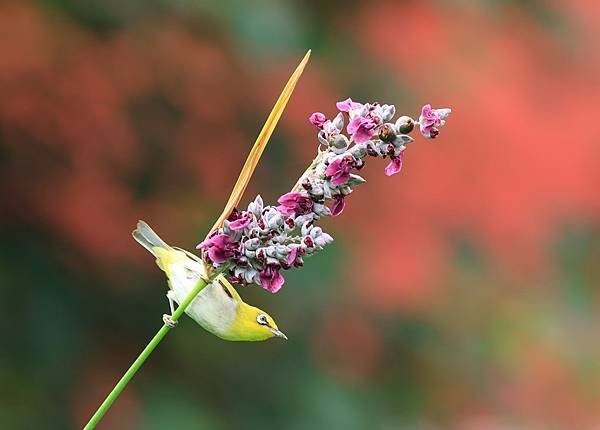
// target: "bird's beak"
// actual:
[[278, 333]]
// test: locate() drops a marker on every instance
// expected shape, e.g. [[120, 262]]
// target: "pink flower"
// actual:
[[431, 119], [338, 206], [348, 105], [294, 203], [339, 169], [219, 247], [318, 119], [239, 220], [292, 256], [270, 278], [395, 165], [363, 128]]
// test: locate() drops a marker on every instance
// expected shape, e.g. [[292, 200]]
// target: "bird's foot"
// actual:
[[169, 321]]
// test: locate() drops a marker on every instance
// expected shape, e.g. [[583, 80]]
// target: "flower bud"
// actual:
[[250, 275], [322, 137], [272, 260], [308, 241], [323, 239], [402, 139], [371, 151], [339, 142], [355, 180], [301, 220], [281, 251], [387, 133], [289, 222], [321, 210], [387, 112], [256, 206], [316, 232], [345, 190], [359, 150], [338, 122], [317, 191], [306, 228], [261, 224], [405, 124], [275, 221], [279, 238], [252, 244]]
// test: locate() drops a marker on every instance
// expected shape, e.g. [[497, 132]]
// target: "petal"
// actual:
[[348, 105], [216, 255], [355, 124], [443, 113], [426, 130], [338, 207], [394, 167], [362, 135], [288, 198], [240, 224], [340, 178], [285, 210], [334, 167], [292, 256], [276, 282], [317, 119], [204, 244]]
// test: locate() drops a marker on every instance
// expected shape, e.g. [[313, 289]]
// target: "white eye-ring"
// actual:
[[262, 319]]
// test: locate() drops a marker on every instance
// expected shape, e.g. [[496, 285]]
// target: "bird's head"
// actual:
[[254, 324]]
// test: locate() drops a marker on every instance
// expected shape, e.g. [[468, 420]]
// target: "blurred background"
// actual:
[[461, 294]]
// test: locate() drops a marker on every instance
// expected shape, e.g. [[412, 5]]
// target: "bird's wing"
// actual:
[[189, 254], [228, 288], [260, 144]]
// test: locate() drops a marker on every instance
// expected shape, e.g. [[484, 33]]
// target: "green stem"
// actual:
[[112, 396]]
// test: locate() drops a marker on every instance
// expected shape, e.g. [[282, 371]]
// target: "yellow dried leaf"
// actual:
[[260, 144]]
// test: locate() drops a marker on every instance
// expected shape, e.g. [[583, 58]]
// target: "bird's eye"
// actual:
[[262, 319]]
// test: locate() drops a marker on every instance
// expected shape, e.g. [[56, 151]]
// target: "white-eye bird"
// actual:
[[218, 307]]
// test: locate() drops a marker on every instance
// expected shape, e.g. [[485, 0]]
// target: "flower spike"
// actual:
[[259, 243]]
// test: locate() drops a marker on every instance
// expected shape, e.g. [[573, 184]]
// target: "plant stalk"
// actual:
[[137, 364]]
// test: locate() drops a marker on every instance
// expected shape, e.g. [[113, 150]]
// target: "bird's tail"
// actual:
[[146, 237]]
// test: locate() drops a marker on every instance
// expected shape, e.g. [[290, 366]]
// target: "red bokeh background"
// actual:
[[487, 242]]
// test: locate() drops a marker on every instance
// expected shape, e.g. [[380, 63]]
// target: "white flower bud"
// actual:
[[358, 150], [306, 228], [256, 206], [321, 210], [250, 275], [402, 139], [339, 142], [387, 112], [338, 122]]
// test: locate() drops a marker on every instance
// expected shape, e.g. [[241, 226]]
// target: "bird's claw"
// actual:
[[169, 321]]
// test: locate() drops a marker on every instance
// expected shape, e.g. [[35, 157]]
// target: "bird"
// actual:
[[218, 308]]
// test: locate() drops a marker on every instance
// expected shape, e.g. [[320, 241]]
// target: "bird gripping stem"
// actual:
[[234, 199]]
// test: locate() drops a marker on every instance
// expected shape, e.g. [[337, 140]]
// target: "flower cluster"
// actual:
[[261, 241]]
